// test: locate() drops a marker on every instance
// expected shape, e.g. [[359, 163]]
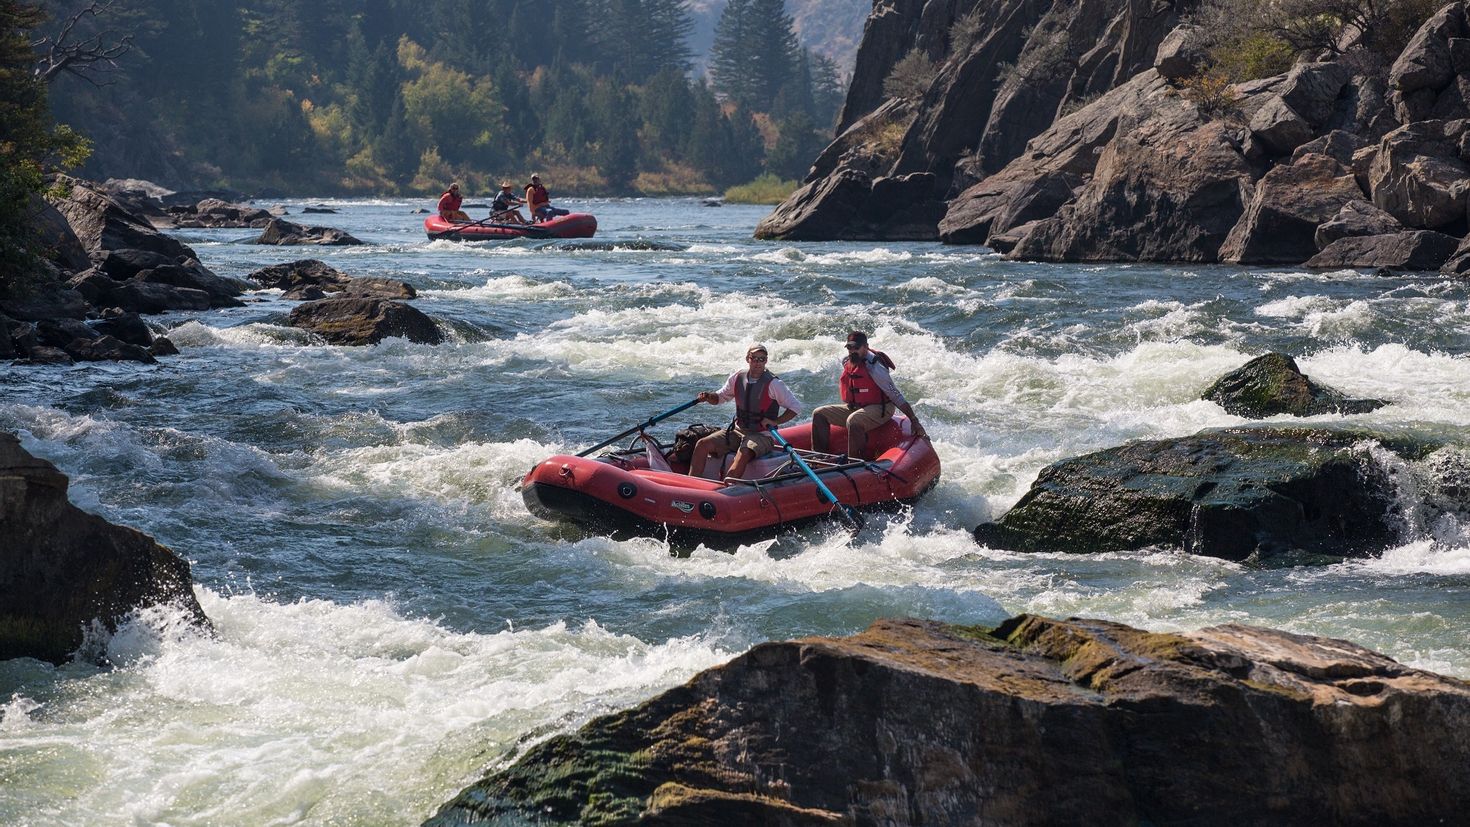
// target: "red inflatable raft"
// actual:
[[575, 225], [619, 493]]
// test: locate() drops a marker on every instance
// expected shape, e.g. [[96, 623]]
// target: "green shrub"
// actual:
[[767, 189], [1257, 55], [910, 77], [1212, 93]]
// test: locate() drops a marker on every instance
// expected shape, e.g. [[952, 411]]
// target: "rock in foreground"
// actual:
[[1273, 384], [365, 321], [1035, 722], [61, 568], [1237, 493]]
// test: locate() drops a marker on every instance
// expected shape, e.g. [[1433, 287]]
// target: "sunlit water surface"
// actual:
[[391, 621]]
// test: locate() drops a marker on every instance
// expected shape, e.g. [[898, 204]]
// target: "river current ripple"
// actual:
[[391, 620]]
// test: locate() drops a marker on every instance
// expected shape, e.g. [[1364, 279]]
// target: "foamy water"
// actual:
[[391, 622]]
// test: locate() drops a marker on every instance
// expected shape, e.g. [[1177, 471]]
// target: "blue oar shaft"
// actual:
[[791, 452]]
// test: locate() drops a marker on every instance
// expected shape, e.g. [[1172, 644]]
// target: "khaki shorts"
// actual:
[[757, 442], [867, 417]]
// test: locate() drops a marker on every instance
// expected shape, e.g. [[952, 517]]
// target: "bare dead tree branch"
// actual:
[[84, 57]]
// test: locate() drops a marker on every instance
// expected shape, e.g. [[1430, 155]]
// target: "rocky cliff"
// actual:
[[1005, 70], [1037, 721], [1117, 149]]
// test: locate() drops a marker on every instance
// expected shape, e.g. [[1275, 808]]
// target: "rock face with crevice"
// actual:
[[895, 164], [1036, 721], [1070, 132], [61, 568]]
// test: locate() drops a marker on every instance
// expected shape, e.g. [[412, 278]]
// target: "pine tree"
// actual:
[[729, 60]]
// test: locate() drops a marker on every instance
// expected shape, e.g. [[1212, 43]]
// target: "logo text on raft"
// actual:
[[683, 506]]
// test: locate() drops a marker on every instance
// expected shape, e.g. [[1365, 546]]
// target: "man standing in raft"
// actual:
[[759, 399], [538, 201], [449, 204], [868, 399]]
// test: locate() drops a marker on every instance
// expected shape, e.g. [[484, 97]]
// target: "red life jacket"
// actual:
[[536, 195], [857, 385], [450, 201], [753, 402]]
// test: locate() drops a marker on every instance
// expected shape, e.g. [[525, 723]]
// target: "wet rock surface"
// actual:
[[281, 232], [310, 278], [64, 568], [1034, 721], [1267, 495], [364, 321], [1273, 384]]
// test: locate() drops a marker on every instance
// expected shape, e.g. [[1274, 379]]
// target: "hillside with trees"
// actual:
[[390, 96]]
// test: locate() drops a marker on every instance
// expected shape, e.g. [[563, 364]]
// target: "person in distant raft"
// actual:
[[449, 204], [868, 399], [503, 208], [760, 398], [538, 201]]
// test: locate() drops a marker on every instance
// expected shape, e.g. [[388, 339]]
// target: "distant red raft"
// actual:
[[618, 493], [575, 225]]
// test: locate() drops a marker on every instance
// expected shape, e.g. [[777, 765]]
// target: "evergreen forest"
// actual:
[[392, 96]]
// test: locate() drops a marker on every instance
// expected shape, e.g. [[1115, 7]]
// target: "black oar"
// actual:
[[849, 514], [641, 426]]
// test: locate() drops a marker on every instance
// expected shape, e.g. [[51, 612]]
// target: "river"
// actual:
[[391, 621]]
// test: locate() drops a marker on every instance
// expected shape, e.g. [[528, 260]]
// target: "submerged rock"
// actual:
[[1036, 721], [1273, 384], [1258, 494], [62, 568], [364, 321], [284, 233]]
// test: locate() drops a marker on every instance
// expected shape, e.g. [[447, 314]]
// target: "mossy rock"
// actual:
[[1273, 384], [1250, 494]]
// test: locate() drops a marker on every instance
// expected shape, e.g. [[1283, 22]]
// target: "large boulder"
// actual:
[[1034, 721], [1280, 224], [1272, 384], [364, 321], [138, 295], [1356, 218], [298, 279], [853, 206], [1158, 194], [1260, 494], [1417, 175], [1412, 250], [1182, 53], [101, 223], [279, 231], [1064, 155], [63, 568], [1426, 67], [1459, 262]]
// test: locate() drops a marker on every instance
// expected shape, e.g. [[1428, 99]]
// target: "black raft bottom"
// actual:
[[555, 503]]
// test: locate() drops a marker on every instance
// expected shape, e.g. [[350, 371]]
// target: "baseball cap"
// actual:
[[857, 337], [757, 346]]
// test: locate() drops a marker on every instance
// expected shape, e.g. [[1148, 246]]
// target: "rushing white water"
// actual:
[[390, 621]]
